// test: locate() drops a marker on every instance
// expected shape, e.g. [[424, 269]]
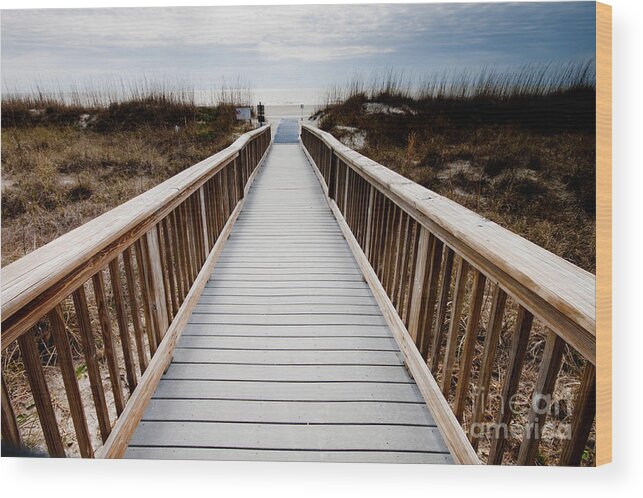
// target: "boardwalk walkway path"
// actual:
[[287, 356]]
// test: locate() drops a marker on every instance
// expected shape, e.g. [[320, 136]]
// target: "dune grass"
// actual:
[[68, 158], [517, 147]]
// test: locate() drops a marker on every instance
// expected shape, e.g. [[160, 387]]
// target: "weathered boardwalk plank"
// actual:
[[287, 356]]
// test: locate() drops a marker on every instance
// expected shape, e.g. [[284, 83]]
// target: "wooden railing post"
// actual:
[[66, 364], [156, 281], [549, 366], [417, 290], [332, 177], [238, 173], [10, 430], [41, 396], [346, 189], [204, 222], [369, 220]]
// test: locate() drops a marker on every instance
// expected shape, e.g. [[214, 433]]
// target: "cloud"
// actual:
[[69, 43]]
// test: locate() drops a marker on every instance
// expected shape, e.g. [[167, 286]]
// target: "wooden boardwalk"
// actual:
[[287, 310], [287, 355]]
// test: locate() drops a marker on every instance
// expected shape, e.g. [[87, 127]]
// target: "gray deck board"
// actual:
[[243, 356], [170, 453], [281, 309], [359, 343], [295, 301], [263, 330], [287, 355], [288, 391], [295, 412], [289, 373], [354, 437]]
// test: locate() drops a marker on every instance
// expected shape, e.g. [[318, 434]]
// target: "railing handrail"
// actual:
[[553, 289], [31, 276]]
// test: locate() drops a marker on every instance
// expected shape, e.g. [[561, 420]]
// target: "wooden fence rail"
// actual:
[[117, 291], [452, 280]]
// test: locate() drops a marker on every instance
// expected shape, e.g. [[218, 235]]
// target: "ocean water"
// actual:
[[289, 111]]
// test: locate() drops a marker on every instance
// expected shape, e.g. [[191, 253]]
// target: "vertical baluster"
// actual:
[[418, 289], [582, 418], [390, 245], [188, 246], [429, 297], [108, 344], [188, 240], [226, 191], [549, 367], [249, 165], [153, 260], [40, 392], [409, 268], [217, 203], [134, 309], [332, 177], [375, 227], [171, 267], [378, 243], [202, 227], [146, 295], [345, 204], [486, 364], [66, 364], [348, 193], [357, 207], [199, 223], [241, 176], [181, 276], [195, 231], [165, 270], [365, 190], [470, 339], [524, 320], [445, 288], [360, 209], [221, 221], [238, 179], [381, 236], [209, 211], [402, 248], [182, 237], [10, 430], [454, 325], [123, 326], [93, 370]]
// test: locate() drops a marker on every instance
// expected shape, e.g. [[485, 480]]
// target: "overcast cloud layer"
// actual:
[[286, 47]]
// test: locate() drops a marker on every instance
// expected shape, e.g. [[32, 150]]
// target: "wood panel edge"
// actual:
[[603, 233]]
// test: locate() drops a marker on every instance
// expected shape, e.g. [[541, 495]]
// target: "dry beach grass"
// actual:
[[64, 162], [517, 148]]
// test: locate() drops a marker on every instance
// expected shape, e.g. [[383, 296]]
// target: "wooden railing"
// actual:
[[107, 302], [448, 280]]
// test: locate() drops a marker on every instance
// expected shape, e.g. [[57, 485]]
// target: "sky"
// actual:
[[285, 52]]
